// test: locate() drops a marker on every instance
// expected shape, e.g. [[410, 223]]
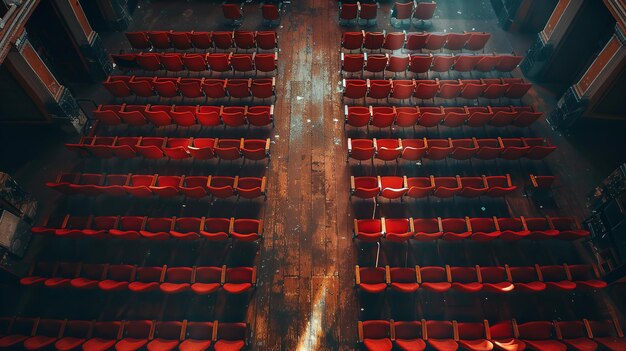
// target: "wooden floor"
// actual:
[[305, 299]]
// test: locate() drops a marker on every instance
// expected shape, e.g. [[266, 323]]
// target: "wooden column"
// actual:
[[53, 99], [580, 97], [550, 37], [93, 54]]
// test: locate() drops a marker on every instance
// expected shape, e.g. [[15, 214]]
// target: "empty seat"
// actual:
[[375, 335]]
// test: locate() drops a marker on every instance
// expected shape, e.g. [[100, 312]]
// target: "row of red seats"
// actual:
[[146, 185], [383, 335], [175, 62], [364, 12], [413, 10], [185, 116], [67, 335], [201, 280], [152, 228], [423, 63], [439, 149], [397, 187], [472, 116], [489, 279], [174, 148], [234, 12], [124, 86], [477, 229], [472, 89], [415, 41], [224, 40]]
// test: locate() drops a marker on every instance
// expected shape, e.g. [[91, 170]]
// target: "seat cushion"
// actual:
[[12, 340], [143, 286], [98, 344], [476, 345], [405, 287], [68, 343], [411, 345], [612, 343], [130, 344], [237, 288], [378, 344], [437, 287], [373, 288], [39, 342], [581, 344], [162, 345], [509, 345], [545, 345], [443, 344], [174, 288], [83, 283], [229, 345], [205, 288], [194, 345]]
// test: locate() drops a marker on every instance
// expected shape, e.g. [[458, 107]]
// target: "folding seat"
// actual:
[[403, 280], [540, 228], [103, 337], [455, 228], [265, 62], [473, 187], [526, 116], [184, 116], [526, 279], [149, 62], [167, 87], [450, 89], [456, 41], [88, 184], [504, 336], [508, 63], [195, 186], [443, 62], [378, 88], [401, 13], [585, 276], [608, 334], [255, 149], [398, 230], [373, 41], [376, 63], [167, 186], [159, 115], [489, 149], [473, 336], [133, 114], [539, 148], [479, 117], [266, 40], [420, 63], [398, 64], [514, 148], [352, 40], [575, 335], [463, 149], [207, 280], [214, 89], [407, 116], [426, 89], [157, 228], [139, 185], [477, 41], [542, 183], [434, 279], [517, 88], [201, 40], [488, 63], [159, 39], [416, 41], [177, 148], [502, 116], [568, 227], [39, 273], [199, 337], [20, 329], [228, 149], [495, 89], [50, 225], [260, 116], [63, 181], [484, 229], [222, 187], [420, 186], [125, 62], [347, 12], [465, 279], [129, 227], [177, 280], [430, 116], [201, 62], [540, 335], [263, 88], [382, 116], [354, 88], [447, 186], [216, 229], [375, 335], [125, 147], [466, 63], [394, 41], [371, 280], [142, 86], [135, 335], [45, 334], [246, 230], [74, 226], [75, 333], [138, 40], [427, 229], [172, 62], [361, 149], [438, 149], [209, 116], [101, 147], [512, 228], [167, 336], [223, 40], [244, 39], [180, 40], [436, 41], [117, 86], [117, 278], [239, 280], [392, 187], [441, 334], [388, 149], [231, 336], [233, 13], [495, 280], [202, 148], [151, 147], [408, 335], [270, 13], [557, 277], [88, 276], [234, 116], [364, 187], [499, 185], [191, 87], [108, 114], [238, 88], [250, 187]]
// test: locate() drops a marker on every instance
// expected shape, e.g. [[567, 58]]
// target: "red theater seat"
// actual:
[[375, 335]]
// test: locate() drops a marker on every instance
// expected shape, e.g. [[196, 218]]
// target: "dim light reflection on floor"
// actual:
[[310, 337]]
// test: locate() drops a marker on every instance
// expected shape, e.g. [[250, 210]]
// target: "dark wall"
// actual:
[[612, 103], [15, 104], [538, 15]]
